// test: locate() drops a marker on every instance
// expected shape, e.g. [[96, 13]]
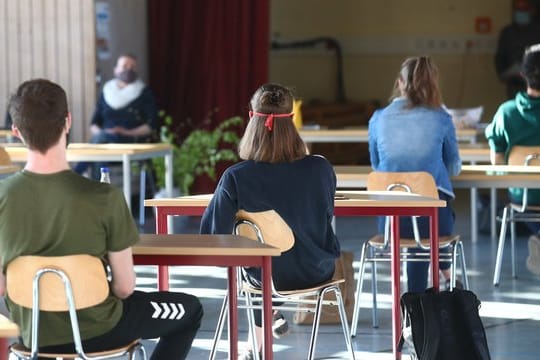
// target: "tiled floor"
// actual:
[[510, 312]]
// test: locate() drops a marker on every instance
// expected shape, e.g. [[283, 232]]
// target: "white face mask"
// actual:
[[522, 17]]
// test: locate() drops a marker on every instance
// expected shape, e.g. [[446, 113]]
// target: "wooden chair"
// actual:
[[378, 247], [513, 212], [61, 283], [269, 228]]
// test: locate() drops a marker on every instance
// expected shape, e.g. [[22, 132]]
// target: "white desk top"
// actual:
[[360, 134], [80, 151], [351, 198]]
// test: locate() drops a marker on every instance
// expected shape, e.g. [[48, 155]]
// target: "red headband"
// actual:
[[269, 123]]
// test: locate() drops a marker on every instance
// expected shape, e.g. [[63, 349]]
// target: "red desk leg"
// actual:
[[267, 307], [4, 348], [233, 313], [395, 273], [434, 244], [163, 271]]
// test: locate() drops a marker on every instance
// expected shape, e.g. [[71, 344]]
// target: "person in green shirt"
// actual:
[[517, 122], [47, 209]]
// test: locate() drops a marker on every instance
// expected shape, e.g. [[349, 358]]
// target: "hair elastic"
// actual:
[[269, 123]]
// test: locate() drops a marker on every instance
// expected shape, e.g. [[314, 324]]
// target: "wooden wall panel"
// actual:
[[53, 39]]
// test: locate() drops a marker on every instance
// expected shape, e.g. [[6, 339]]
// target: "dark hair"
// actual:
[[282, 143], [39, 110], [419, 82], [530, 66]]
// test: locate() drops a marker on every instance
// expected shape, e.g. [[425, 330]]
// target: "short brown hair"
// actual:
[[39, 110], [420, 79], [282, 143]]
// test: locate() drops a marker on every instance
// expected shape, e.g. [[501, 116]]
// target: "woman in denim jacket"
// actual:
[[414, 133]]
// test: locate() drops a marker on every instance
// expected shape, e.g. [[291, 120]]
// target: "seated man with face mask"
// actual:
[[126, 111]]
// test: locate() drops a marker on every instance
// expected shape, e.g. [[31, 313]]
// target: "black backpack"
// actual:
[[443, 326]]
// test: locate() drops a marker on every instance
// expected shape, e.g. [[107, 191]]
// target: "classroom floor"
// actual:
[[510, 312]]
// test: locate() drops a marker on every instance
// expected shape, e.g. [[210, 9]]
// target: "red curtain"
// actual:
[[207, 57]]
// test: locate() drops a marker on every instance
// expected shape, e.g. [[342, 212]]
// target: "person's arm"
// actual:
[[219, 216], [496, 136], [451, 157], [122, 272], [95, 129], [142, 130], [372, 141]]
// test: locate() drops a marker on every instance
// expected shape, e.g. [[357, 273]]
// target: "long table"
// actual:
[[360, 134], [354, 203], [215, 250], [124, 153]]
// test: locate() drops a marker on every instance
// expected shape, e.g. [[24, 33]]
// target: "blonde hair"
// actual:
[[282, 143], [419, 79]]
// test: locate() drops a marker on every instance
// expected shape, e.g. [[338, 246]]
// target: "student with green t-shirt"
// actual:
[[47, 209]]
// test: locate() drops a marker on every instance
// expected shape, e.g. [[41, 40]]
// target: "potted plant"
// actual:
[[199, 153]]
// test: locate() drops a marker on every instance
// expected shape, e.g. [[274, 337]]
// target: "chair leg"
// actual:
[[251, 326], [463, 265], [343, 317], [317, 318], [453, 266], [139, 350], [359, 284], [219, 327], [513, 243], [500, 248], [374, 291]]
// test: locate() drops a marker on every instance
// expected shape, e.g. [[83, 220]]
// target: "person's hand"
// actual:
[[117, 130]]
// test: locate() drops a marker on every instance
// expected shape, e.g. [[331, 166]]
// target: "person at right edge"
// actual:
[[524, 31], [517, 122], [414, 133]]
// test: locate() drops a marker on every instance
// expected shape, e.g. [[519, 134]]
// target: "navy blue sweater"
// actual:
[[302, 192]]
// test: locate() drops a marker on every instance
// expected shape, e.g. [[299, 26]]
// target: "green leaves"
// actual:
[[200, 152]]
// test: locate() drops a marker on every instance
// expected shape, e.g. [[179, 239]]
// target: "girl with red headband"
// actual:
[[279, 174]]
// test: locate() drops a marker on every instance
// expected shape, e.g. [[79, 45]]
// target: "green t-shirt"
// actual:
[[63, 214], [516, 122]]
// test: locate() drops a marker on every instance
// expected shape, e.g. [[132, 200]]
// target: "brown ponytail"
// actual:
[[418, 82]]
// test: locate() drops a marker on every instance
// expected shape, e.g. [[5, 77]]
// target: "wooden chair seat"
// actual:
[[20, 350], [378, 241]]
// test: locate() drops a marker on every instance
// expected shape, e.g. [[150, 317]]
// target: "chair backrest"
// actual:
[[415, 182], [524, 155], [419, 182], [85, 272], [274, 229], [5, 159]]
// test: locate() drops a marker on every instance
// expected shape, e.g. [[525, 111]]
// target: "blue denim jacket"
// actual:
[[415, 139]]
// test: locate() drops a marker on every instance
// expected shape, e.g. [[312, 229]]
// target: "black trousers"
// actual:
[[145, 317]]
